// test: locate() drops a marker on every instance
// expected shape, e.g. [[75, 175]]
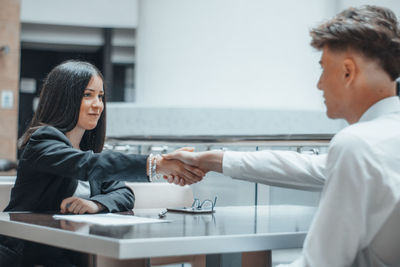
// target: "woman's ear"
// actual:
[[349, 71]]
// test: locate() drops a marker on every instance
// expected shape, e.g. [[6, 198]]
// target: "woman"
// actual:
[[61, 167]]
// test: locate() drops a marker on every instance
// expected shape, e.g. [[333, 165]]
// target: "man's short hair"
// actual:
[[371, 30]]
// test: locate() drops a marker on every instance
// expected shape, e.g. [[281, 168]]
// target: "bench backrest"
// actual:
[[161, 195], [5, 192], [147, 195]]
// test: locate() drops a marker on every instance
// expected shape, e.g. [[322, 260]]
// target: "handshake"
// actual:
[[185, 167]]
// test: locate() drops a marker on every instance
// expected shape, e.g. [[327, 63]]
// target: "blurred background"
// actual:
[[212, 74]]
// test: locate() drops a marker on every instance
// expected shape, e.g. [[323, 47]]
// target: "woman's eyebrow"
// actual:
[[93, 90]]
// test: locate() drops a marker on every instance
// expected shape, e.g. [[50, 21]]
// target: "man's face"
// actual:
[[332, 81]]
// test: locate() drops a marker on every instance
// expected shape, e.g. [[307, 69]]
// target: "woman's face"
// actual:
[[92, 104]]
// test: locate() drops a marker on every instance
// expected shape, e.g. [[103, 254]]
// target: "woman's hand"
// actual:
[[80, 206], [178, 172]]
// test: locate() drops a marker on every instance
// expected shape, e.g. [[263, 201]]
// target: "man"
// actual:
[[360, 175]]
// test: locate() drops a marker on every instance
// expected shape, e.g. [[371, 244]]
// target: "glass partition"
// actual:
[[233, 192]]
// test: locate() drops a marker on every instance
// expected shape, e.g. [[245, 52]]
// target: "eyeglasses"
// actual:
[[207, 204]]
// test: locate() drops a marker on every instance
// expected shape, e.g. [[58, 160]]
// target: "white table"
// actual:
[[228, 230]]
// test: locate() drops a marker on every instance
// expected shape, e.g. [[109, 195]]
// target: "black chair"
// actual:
[[7, 165]]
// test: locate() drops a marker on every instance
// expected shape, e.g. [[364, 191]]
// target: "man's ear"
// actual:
[[349, 71]]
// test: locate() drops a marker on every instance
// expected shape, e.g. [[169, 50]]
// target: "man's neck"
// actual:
[[366, 98]]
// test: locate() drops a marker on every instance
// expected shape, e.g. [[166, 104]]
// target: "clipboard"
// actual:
[[191, 210]]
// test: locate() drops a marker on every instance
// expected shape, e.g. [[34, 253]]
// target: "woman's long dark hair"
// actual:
[[60, 101]]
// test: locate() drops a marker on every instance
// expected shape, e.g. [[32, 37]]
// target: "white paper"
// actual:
[[108, 219]]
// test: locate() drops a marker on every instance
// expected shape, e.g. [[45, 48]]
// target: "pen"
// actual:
[[162, 213]]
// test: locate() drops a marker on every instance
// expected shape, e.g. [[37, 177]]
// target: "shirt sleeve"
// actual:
[[278, 168], [349, 214]]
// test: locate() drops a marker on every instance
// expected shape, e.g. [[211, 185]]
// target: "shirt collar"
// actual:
[[382, 107]]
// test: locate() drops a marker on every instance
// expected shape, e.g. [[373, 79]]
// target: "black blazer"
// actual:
[[49, 170]]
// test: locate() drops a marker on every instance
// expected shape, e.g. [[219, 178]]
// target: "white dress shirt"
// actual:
[[362, 185]]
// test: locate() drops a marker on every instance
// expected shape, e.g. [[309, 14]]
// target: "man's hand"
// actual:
[[177, 172], [80, 206], [185, 156], [206, 161]]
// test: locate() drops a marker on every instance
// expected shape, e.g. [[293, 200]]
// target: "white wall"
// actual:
[[230, 53], [392, 4], [92, 13]]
